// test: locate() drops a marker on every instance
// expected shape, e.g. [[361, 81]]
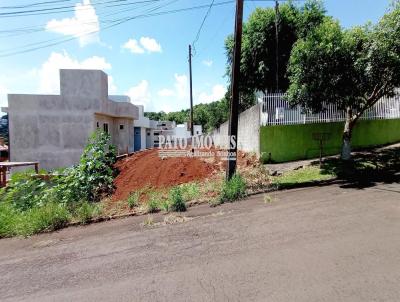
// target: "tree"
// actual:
[[351, 68], [258, 60]]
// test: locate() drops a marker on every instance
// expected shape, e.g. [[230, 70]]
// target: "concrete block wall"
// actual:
[[248, 131], [40, 131]]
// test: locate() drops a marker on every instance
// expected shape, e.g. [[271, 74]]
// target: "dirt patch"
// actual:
[[148, 169]]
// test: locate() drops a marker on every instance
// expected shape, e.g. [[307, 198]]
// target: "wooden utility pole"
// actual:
[[234, 108], [277, 43], [191, 92]]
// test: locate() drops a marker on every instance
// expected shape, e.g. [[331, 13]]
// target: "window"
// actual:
[[121, 127], [97, 125], [105, 127]]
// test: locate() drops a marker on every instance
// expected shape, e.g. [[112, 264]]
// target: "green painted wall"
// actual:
[[293, 142]]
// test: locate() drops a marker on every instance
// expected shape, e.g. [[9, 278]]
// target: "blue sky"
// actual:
[[145, 58]]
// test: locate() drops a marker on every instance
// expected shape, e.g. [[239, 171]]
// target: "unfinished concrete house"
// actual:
[[53, 129]]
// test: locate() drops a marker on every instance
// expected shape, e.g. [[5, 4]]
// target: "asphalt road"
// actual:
[[316, 244]]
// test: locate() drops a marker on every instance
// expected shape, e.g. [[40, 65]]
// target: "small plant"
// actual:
[[165, 205], [149, 221], [133, 200], [176, 200], [153, 205], [267, 199], [86, 211], [233, 189], [190, 191]]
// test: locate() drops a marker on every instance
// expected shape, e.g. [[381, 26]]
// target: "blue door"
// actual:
[[137, 139]]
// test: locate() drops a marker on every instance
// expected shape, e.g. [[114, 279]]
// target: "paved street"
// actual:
[[315, 244]]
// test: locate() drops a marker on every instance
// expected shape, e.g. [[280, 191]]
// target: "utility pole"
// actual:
[[277, 43], [233, 117], [191, 93]]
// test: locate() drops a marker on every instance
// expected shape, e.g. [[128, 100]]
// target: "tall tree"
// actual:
[[351, 68], [258, 62]]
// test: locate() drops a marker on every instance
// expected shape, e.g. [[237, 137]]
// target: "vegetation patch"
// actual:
[[233, 189], [30, 205], [301, 176]]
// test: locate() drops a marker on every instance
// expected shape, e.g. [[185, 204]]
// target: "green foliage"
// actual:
[[133, 200], [31, 204], [190, 191], [210, 116], [93, 177], [86, 211], [233, 189], [352, 68], [177, 204], [154, 203], [258, 60], [301, 176], [49, 217]]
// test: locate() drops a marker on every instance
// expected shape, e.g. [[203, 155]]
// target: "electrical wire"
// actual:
[[201, 27], [40, 45]]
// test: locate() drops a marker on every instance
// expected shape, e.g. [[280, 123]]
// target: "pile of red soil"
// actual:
[[148, 169]]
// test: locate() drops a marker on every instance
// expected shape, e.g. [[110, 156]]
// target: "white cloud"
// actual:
[[181, 85], [145, 44], [218, 92], [140, 94], [48, 74], [84, 21], [150, 44], [166, 92], [133, 46], [208, 63]]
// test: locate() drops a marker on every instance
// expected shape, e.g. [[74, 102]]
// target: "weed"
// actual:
[[268, 199], [149, 221], [133, 200], [165, 205], [153, 205], [233, 189], [176, 200], [86, 211], [190, 191]]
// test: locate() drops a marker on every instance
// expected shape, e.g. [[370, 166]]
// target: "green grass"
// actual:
[[233, 189], [49, 217], [133, 199], [302, 176]]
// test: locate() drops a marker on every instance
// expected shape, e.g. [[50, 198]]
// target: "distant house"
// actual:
[[53, 129], [172, 130]]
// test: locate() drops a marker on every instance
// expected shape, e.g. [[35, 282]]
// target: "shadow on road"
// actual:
[[366, 169]]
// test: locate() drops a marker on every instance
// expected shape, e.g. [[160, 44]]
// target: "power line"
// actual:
[[37, 46], [201, 26]]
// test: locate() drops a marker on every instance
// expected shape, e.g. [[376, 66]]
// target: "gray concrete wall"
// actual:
[[40, 131], [248, 131], [54, 129]]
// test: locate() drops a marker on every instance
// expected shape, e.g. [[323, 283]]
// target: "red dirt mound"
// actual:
[[148, 169]]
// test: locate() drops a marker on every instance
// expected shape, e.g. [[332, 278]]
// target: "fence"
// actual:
[[277, 111]]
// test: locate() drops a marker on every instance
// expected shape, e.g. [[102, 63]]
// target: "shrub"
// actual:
[[8, 220], [233, 189], [176, 200], [93, 177], [133, 200]]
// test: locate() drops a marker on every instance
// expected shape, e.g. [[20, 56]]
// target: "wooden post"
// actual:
[[234, 106], [3, 176], [37, 168]]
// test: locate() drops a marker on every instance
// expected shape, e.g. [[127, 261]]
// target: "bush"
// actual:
[[177, 204], [31, 205], [233, 189]]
